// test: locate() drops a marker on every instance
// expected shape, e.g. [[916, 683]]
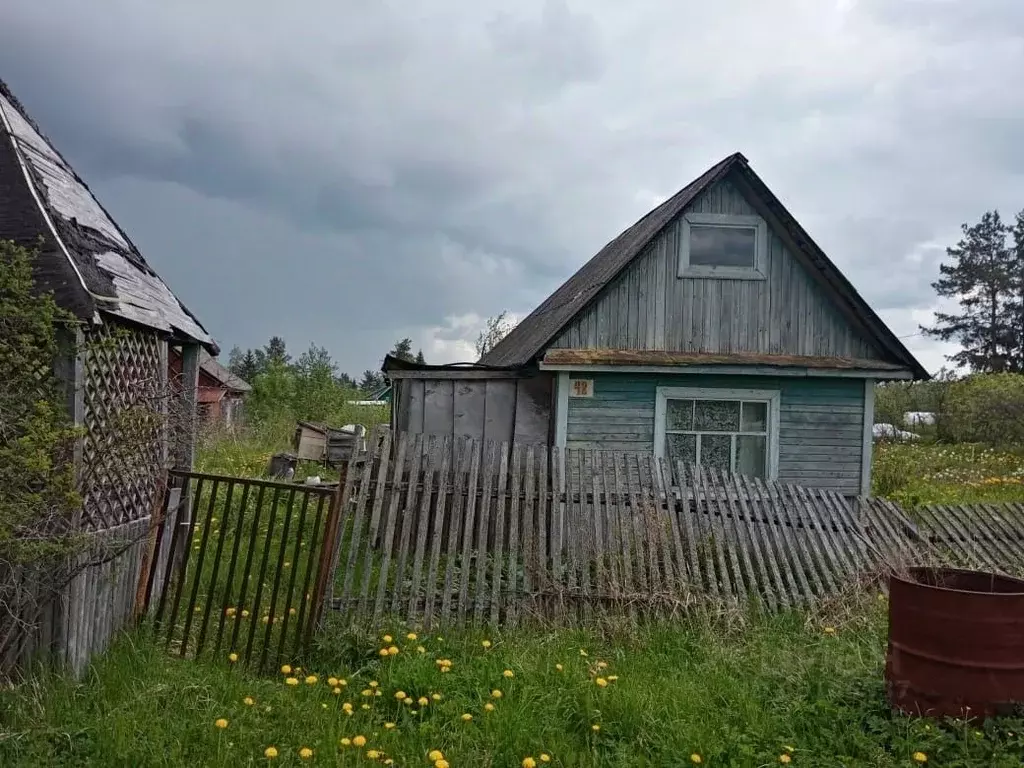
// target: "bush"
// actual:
[[986, 408]]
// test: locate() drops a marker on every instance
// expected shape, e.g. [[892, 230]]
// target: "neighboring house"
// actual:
[[377, 399], [712, 330], [116, 363], [221, 394]]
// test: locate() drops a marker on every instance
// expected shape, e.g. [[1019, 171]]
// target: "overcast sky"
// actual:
[[350, 173]]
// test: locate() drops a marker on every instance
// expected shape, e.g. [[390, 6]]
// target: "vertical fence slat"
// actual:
[[243, 505], [430, 465], [444, 487], [397, 475], [529, 486], [623, 525], [419, 458], [558, 486], [467, 528], [499, 534], [515, 510], [211, 589], [282, 552], [543, 495], [487, 501], [744, 568], [373, 534], [197, 578], [459, 494]]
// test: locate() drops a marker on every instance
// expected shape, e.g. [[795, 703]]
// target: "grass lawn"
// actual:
[[752, 695]]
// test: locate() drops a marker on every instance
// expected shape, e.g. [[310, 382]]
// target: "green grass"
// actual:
[[736, 696]]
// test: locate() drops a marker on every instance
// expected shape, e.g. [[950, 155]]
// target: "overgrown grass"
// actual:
[[734, 696], [937, 473]]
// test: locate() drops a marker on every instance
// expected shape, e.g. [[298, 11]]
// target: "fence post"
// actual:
[[325, 566]]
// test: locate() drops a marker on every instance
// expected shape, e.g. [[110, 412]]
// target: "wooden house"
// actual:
[[115, 366], [220, 396], [713, 330]]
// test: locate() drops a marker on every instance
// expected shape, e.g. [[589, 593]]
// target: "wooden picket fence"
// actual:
[[436, 530]]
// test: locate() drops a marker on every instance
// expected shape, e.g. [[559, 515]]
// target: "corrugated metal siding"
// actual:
[[650, 307], [820, 425]]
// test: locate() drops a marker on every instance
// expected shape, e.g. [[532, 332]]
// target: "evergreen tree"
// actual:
[[403, 350], [983, 278], [371, 382], [420, 359]]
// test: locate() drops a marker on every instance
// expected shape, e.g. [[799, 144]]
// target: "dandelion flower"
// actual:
[[442, 763], [602, 665], [336, 691], [508, 673], [248, 701], [347, 706], [545, 757], [366, 692], [595, 727], [436, 696], [389, 726], [486, 643], [829, 630], [696, 759], [387, 638], [389, 761], [583, 652], [496, 694], [292, 611], [407, 701], [305, 753], [788, 748], [286, 670], [382, 652], [373, 684], [245, 614], [434, 755], [420, 649], [291, 681], [373, 754], [393, 650], [342, 682], [601, 682], [232, 657], [346, 742], [529, 762], [365, 706], [612, 678], [332, 681], [220, 722], [559, 667], [359, 741], [411, 636], [310, 679], [920, 757], [400, 695], [466, 717], [489, 707], [785, 758], [270, 753], [423, 701]]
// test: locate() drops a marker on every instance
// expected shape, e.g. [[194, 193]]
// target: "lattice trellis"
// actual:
[[125, 405]]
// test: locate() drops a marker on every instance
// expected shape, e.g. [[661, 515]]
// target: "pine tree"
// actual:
[[983, 279], [420, 359], [1017, 303], [403, 350]]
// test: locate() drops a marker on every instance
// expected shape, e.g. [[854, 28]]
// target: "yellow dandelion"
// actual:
[[407, 701], [920, 757], [595, 727], [442, 763], [232, 657], [508, 673], [486, 643], [310, 679], [423, 701], [373, 754], [411, 636], [788, 748], [420, 649], [785, 758], [270, 753], [829, 630], [387, 638], [365, 706], [602, 665], [583, 652], [373, 684], [245, 614], [359, 741], [434, 755], [286, 670], [220, 722], [389, 761], [230, 611], [612, 678], [559, 667], [436, 696], [696, 759], [393, 650], [366, 692], [347, 706], [545, 757], [342, 682], [291, 681], [336, 691], [389, 726], [466, 717], [601, 682], [266, 619], [489, 707], [346, 742], [383, 652], [496, 694], [378, 692], [248, 701], [287, 564], [305, 753], [529, 762], [400, 695], [332, 681]]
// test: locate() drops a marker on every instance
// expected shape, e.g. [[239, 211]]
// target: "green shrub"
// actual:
[[986, 408]]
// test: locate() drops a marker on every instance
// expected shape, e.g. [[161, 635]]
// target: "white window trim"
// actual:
[[771, 396], [760, 268]]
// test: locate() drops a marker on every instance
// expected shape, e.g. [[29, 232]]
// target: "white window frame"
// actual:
[[760, 269], [772, 397]]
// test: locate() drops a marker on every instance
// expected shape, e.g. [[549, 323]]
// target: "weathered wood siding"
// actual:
[[650, 307], [498, 409], [820, 427]]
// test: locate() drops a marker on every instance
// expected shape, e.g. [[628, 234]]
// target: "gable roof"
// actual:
[[530, 337], [89, 263], [213, 367]]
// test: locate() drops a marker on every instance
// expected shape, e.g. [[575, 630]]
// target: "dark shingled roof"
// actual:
[[86, 259], [528, 340]]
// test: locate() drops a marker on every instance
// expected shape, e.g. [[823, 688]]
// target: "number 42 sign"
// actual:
[[581, 387]]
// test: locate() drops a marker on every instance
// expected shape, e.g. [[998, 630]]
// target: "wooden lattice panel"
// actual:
[[124, 413]]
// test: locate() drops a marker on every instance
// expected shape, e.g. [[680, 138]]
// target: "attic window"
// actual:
[[723, 245]]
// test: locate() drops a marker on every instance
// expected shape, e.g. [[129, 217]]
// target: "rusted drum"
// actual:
[[956, 643]]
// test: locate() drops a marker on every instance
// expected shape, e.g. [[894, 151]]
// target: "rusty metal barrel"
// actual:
[[956, 643]]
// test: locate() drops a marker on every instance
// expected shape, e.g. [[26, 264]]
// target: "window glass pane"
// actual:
[[717, 415], [681, 448], [716, 451], [751, 452], [755, 417], [712, 246], [680, 414]]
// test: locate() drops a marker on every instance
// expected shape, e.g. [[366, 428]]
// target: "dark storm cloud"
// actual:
[[352, 173]]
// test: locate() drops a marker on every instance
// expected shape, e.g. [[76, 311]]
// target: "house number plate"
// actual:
[[581, 387]]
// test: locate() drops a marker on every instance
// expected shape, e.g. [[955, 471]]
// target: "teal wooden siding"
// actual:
[[821, 424], [650, 307]]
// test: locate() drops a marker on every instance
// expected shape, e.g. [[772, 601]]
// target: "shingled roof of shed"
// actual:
[[527, 341], [86, 259]]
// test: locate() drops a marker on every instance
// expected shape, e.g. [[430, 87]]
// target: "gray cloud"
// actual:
[[358, 172]]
